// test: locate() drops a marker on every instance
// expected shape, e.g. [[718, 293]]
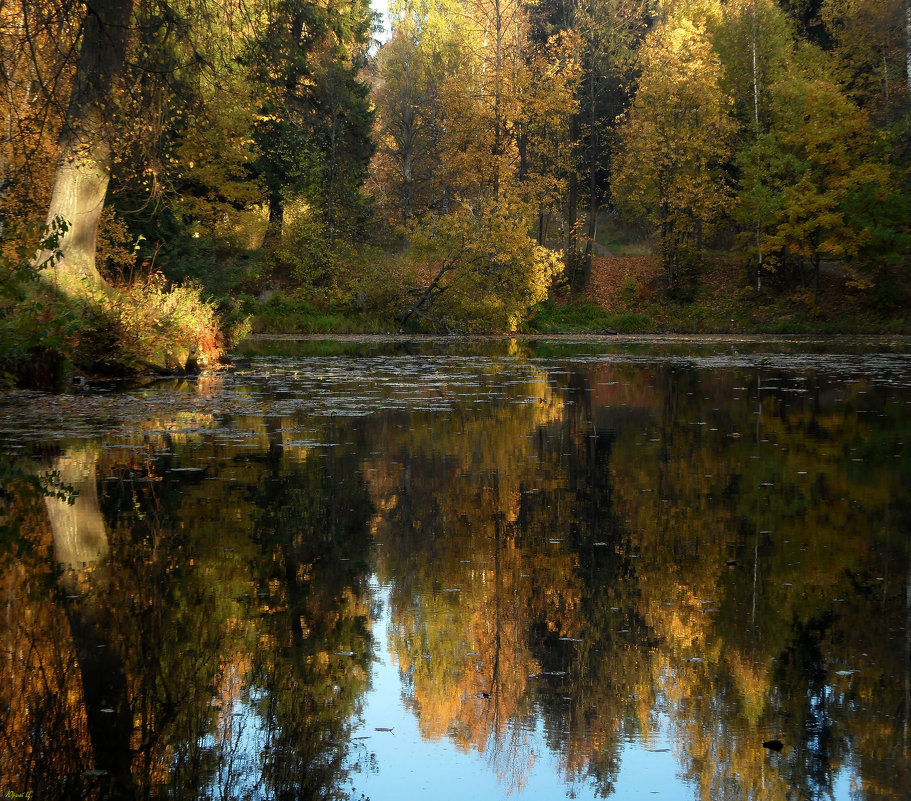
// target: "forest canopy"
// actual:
[[450, 167]]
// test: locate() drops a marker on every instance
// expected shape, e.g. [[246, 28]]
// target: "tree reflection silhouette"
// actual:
[[312, 658], [587, 558]]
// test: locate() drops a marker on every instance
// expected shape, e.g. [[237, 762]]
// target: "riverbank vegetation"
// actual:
[[198, 168]]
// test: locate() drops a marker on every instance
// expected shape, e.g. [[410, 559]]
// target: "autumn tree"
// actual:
[[205, 189], [35, 78], [547, 165], [609, 33], [86, 144], [180, 180], [413, 75], [499, 31], [675, 141], [469, 95], [487, 271], [474, 118], [116, 63], [406, 139], [870, 50], [754, 41], [800, 174], [512, 126]]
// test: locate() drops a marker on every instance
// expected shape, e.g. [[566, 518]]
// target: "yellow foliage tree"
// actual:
[[814, 161], [675, 140], [473, 130], [487, 271]]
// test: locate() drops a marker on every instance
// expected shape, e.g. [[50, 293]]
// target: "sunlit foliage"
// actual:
[[675, 143]]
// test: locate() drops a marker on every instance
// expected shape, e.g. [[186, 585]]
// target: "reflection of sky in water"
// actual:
[[403, 765], [851, 393], [407, 766]]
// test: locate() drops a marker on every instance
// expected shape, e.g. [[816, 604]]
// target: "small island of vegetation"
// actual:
[[176, 174]]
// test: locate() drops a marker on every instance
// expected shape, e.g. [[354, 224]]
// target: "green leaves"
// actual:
[[799, 177]]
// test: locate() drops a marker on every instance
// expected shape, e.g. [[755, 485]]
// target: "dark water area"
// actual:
[[532, 570]]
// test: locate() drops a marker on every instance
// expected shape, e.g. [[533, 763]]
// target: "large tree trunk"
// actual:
[[80, 548], [84, 163]]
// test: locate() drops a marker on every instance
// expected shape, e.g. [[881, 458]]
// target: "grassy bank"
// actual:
[[627, 294], [150, 325], [721, 298], [47, 335]]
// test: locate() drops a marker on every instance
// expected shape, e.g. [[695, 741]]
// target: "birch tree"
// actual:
[[754, 41], [801, 174]]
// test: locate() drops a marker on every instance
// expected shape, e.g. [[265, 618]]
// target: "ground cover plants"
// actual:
[[707, 167]]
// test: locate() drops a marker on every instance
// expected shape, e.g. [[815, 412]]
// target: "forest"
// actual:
[[177, 173]]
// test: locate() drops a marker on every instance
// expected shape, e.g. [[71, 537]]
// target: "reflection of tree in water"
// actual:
[[311, 662], [507, 572], [40, 690], [802, 668], [459, 627], [553, 569], [105, 685], [601, 642], [129, 672], [663, 557], [759, 580]]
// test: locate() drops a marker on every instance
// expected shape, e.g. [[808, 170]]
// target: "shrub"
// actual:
[[137, 324], [487, 273]]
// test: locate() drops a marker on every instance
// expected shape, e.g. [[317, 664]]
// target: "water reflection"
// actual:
[[564, 573], [80, 539]]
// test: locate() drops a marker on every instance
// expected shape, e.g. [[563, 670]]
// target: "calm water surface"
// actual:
[[463, 571]]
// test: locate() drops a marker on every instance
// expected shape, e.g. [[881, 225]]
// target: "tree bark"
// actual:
[[276, 219], [908, 44], [84, 162]]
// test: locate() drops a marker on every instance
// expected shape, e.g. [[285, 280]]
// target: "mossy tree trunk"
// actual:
[[84, 162]]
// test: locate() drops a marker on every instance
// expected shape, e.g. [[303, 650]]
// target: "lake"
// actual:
[[534, 569]]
